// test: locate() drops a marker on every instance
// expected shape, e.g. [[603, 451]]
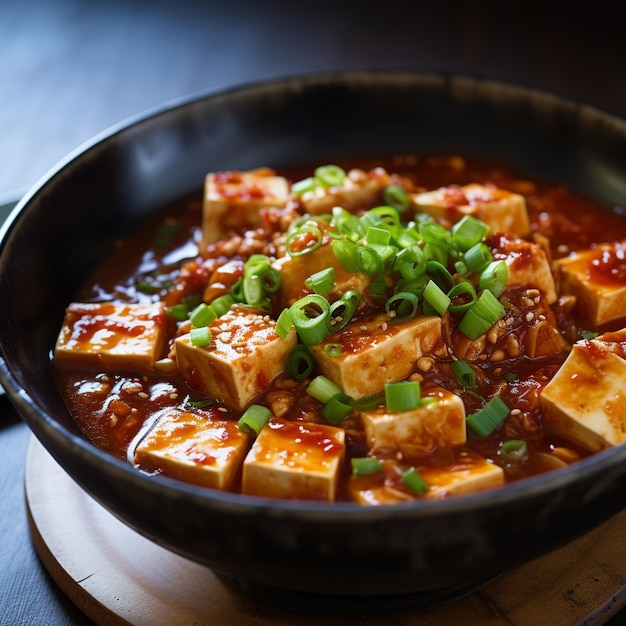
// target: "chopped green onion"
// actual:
[[440, 274], [383, 217], [345, 223], [299, 363], [412, 479], [588, 334], [464, 373], [485, 421], [221, 304], [342, 310], [514, 449], [368, 260], [333, 350], [402, 306], [253, 291], [402, 396], [303, 186], [321, 282], [323, 389], [396, 196], [428, 400], [435, 252], [462, 296], [178, 312], [461, 268], [509, 376], [200, 336], [330, 175], [345, 251], [436, 298], [236, 291], [481, 316], [202, 315], [271, 280], [338, 408], [373, 401], [303, 240], [283, 323], [310, 317], [410, 262], [432, 232], [468, 231], [254, 418], [478, 257], [378, 289], [377, 235], [494, 277], [365, 466]]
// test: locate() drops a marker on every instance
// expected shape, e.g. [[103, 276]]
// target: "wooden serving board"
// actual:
[[115, 576]]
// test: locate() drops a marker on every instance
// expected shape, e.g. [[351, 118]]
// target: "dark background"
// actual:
[[70, 69]]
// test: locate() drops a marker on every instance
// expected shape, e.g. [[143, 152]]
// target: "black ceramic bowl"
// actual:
[[65, 226]]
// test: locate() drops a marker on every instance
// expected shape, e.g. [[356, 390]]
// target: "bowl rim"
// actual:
[[46, 427]]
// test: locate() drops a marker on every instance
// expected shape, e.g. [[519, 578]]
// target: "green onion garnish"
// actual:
[[221, 304], [412, 479], [402, 306], [514, 449], [254, 418], [342, 310], [321, 282], [202, 315], [377, 235], [485, 421], [347, 224], [365, 466], [283, 323], [468, 231], [323, 389], [333, 350], [373, 401], [303, 186], [178, 312], [494, 277], [338, 408], [303, 240], [436, 298], [432, 232], [481, 316], [478, 257], [410, 262], [299, 363], [310, 316], [588, 334], [368, 260], [402, 396], [464, 373], [345, 251], [462, 296], [396, 196], [200, 337], [330, 175]]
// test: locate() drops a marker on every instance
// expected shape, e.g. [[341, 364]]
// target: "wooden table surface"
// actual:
[[69, 69]]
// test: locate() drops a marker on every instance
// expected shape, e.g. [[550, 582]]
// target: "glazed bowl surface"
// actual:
[[68, 223]]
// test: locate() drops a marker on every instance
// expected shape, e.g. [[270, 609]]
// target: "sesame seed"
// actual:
[[222, 409], [530, 317], [516, 412], [143, 394]]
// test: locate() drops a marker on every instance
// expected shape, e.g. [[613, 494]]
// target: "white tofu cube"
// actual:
[[112, 335], [295, 270], [421, 430], [527, 264], [294, 460], [597, 277], [469, 473], [194, 448], [503, 211], [585, 400], [375, 351], [245, 353], [233, 201], [359, 190]]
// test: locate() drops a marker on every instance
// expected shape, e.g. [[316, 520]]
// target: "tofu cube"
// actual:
[[527, 264], [503, 211], [359, 191], [194, 448], [585, 400], [112, 335], [376, 351], [419, 431], [597, 278], [295, 270], [244, 354], [295, 460], [468, 473], [233, 201]]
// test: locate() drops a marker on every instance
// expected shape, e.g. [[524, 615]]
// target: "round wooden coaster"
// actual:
[[116, 576]]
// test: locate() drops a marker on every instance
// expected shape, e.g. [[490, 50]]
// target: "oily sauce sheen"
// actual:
[[160, 261]]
